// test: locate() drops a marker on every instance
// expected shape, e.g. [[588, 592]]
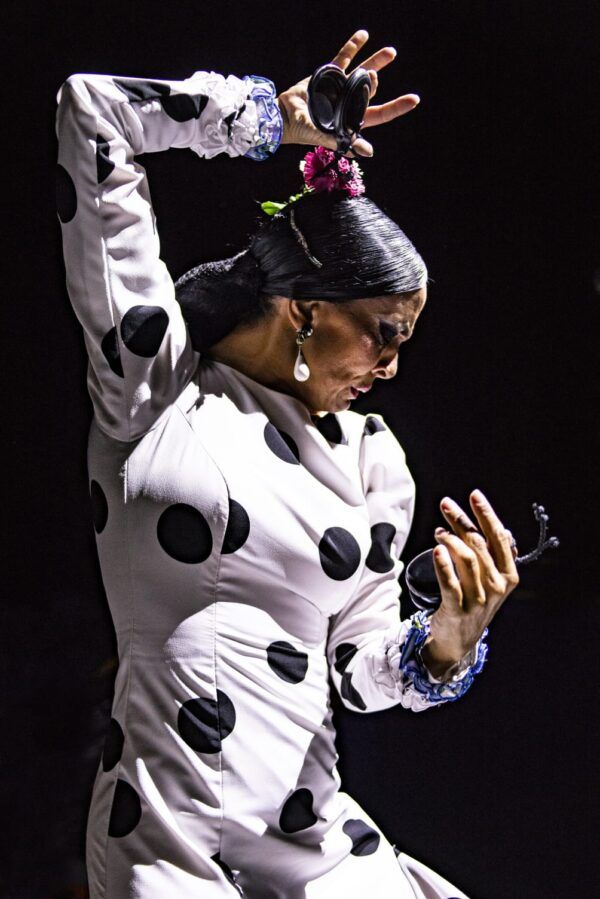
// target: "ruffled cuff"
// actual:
[[270, 123], [410, 664], [237, 118], [399, 671]]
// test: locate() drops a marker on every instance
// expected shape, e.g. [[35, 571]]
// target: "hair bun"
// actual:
[[216, 296], [250, 263]]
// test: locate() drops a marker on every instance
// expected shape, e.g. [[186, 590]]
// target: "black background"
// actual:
[[489, 178]]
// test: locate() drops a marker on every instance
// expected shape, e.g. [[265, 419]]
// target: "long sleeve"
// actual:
[[140, 355], [366, 639]]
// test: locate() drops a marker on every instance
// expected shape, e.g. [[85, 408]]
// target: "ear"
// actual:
[[303, 312]]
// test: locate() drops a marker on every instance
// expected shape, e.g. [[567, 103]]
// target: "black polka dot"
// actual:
[[180, 107], [183, 107], [143, 328], [99, 507], [126, 810], [372, 425], [365, 840], [104, 164], [141, 89], [281, 444], [287, 662], [339, 553], [110, 349], [343, 654], [204, 723], [351, 693], [297, 812], [229, 120], [66, 195], [380, 558], [330, 427], [216, 858], [184, 534], [113, 745], [238, 528]]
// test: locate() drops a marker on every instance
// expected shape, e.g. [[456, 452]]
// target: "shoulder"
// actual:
[[357, 425], [370, 431], [381, 456]]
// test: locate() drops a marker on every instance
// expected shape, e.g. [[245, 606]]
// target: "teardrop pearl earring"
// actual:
[[301, 369]]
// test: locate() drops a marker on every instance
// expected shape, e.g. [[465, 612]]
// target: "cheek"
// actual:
[[338, 356]]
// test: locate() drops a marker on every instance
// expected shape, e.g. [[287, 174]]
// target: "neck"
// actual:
[[263, 351]]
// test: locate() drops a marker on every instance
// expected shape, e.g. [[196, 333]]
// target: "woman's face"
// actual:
[[352, 344]]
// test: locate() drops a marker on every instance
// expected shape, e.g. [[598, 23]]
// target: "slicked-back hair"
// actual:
[[363, 252]]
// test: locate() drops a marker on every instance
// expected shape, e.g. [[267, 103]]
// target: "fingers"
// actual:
[[458, 520], [498, 537], [491, 573], [376, 61], [385, 112], [347, 53], [467, 566], [374, 82], [379, 60], [361, 147], [464, 528], [449, 583]]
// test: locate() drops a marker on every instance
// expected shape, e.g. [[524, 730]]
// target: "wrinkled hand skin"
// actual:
[[293, 103], [472, 594]]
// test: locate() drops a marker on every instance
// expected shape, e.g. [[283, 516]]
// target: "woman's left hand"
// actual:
[[298, 127], [472, 594]]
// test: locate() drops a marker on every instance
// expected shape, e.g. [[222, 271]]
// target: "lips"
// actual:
[[356, 391]]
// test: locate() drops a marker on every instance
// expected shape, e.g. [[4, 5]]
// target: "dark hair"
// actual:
[[363, 254]]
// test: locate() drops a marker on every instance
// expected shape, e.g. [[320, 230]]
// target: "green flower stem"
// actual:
[[272, 207]]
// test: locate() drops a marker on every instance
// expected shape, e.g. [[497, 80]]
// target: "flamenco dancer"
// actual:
[[249, 523]]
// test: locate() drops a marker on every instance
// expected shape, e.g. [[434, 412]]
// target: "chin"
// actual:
[[336, 401], [337, 405]]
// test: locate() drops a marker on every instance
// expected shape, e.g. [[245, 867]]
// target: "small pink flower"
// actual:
[[324, 171]]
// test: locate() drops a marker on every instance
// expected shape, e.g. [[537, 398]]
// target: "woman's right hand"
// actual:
[[298, 127]]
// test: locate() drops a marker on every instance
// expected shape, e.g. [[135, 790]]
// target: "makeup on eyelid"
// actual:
[[389, 331]]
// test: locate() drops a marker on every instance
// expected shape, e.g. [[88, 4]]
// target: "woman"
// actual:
[[249, 524]]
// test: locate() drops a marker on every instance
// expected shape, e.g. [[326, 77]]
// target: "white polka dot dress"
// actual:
[[248, 550]]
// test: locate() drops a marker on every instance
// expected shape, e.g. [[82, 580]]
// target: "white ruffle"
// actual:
[[385, 670], [225, 96]]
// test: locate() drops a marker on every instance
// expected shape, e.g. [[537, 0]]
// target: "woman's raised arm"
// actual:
[[139, 350]]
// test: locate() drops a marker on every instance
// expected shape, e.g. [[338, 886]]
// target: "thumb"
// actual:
[[361, 147]]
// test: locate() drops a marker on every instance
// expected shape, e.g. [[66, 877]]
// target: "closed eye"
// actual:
[[388, 332]]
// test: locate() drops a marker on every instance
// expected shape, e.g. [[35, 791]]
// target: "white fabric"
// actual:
[[217, 545]]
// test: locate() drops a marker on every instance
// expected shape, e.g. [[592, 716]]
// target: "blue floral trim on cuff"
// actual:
[[270, 123], [414, 671]]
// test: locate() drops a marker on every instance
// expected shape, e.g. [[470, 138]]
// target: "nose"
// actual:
[[386, 369]]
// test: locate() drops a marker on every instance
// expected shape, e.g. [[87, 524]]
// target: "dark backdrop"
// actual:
[[488, 178]]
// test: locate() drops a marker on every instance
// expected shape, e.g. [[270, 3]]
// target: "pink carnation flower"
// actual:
[[323, 170]]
